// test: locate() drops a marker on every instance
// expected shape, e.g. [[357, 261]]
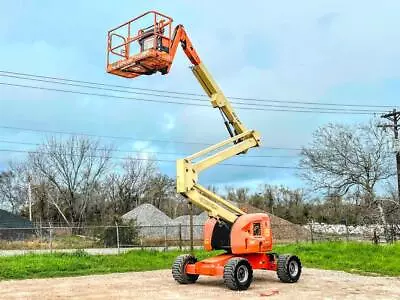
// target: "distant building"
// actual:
[[14, 227]]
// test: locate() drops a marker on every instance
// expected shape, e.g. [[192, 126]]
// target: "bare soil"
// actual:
[[314, 284]]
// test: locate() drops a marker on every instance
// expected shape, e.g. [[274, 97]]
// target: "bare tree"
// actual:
[[13, 187], [162, 193], [126, 189], [73, 169], [343, 159], [239, 195]]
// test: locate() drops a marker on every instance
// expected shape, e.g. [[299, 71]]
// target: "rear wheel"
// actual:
[[238, 274], [179, 269], [289, 268]]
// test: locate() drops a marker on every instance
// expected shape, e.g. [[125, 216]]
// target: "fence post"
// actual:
[[165, 238], [51, 238], [311, 232], [180, 236], [39, 230], [191, 227], [375, 239], [347, 231], [117, 231]]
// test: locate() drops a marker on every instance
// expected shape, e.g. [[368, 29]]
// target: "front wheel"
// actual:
[[238, 274], [289, 268], [179, 269]]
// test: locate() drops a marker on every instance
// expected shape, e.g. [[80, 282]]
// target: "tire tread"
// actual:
[[178, 269], [230, 274], [282, 271]]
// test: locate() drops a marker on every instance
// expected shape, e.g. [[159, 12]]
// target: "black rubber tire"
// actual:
[[178, 269], [232, 275], [289, 268]]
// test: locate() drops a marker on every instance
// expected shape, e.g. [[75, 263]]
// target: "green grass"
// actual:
[[360, 258], [353, 257], [81, 263]]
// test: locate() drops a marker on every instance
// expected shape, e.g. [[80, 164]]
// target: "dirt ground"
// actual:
[[314, 284]]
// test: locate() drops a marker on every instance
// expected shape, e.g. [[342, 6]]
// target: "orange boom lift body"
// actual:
[[135, 50]]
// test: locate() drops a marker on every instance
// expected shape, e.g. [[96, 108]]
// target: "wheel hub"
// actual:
[[293, 268], [242, 274]]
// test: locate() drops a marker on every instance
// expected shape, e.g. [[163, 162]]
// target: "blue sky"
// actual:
[[322, 51]]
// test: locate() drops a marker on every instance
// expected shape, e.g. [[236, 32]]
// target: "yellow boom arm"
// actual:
[[188, 170]]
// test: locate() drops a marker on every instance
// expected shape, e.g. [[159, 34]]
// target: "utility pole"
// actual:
[[30, 197], [394, 118]]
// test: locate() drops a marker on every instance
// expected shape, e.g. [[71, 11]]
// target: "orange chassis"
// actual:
[[214, 266]]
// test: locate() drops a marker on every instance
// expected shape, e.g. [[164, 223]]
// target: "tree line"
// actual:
[[74, 181], [348, 172]]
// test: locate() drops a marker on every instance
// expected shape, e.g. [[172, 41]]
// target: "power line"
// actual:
[[157, 160], [273, 100], [129, 138], [187, 98], [149, 152], [179, 103]]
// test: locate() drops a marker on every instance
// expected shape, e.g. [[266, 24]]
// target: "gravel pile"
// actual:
[[153, 223], [198, 222], [197, 219], [147, 215], [151, 220]]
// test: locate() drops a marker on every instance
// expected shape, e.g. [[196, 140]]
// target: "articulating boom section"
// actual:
[[188, 171], [241, 140], [157, 51]]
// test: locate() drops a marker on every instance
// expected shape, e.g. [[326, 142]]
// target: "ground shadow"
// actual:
[[219, 282]]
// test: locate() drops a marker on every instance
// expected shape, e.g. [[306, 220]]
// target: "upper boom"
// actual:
[[205, 79]]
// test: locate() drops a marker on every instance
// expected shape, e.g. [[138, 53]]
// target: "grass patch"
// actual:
[[353, 257], [359, 258], [81, 263]]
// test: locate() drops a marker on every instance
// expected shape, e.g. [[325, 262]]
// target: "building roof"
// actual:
[[9, 220]]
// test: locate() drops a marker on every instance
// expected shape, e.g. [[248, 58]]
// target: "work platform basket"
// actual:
[[140, 46]]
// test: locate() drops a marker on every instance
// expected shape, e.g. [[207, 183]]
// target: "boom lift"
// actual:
[[246, 238]]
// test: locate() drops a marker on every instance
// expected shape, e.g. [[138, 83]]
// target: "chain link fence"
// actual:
[[99, 236], [173, 236]]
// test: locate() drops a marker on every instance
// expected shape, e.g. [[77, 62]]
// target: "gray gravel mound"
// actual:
[[147, 215]]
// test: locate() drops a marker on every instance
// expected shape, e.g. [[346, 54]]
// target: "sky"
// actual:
[[316, 51]]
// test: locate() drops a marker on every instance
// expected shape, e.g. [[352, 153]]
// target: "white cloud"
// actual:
[[169, 122]]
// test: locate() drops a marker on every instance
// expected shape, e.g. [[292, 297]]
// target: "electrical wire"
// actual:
[[180, 103], [150, 152], [197, 95], [158, 160], [186, 98], [130, 138]]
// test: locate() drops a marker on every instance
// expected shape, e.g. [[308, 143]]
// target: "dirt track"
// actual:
[[314, 284]]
